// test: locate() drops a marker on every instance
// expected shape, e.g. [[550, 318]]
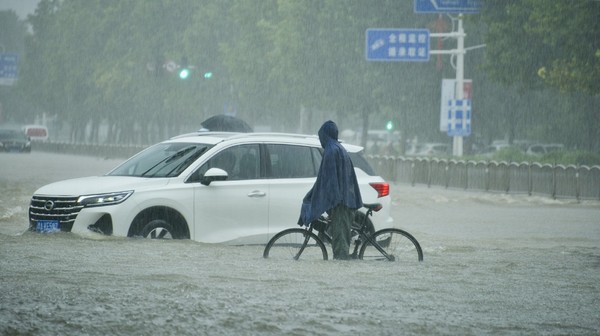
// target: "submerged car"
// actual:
[[14, 141], [434, 149], [235, 188], [541, 149]]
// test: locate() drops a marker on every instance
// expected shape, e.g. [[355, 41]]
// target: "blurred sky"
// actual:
[[22, 7]]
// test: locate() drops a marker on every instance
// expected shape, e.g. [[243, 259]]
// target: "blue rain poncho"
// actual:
[[336, 181]]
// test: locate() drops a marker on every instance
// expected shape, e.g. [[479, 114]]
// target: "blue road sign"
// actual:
[[8, 65], [410, 45], [459, 117], [8, 68], [447, 6]]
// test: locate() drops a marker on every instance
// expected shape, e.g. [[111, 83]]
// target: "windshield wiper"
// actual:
[[183, 165], [170, 158]]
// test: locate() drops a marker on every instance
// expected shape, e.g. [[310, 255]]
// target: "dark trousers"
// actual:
[[340, 230]]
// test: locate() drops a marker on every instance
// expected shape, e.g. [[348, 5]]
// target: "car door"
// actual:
[[292, 170], [234, 211]]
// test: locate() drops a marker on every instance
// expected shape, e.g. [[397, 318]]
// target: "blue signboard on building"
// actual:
[[447, 6], [410, 45]]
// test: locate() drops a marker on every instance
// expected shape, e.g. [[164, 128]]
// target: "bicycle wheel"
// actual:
[[295, 244], [399, 244]]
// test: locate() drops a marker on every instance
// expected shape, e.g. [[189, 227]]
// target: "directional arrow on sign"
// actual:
[[447, 6]]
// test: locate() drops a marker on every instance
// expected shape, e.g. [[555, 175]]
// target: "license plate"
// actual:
[[47, 226]]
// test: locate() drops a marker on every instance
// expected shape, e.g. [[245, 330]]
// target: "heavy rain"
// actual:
[[504, 199]]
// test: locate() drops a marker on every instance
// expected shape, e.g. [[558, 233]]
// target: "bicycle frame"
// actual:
[[306, 239], [362, 232]]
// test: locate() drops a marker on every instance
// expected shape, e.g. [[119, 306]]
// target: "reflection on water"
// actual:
[[493, 265]]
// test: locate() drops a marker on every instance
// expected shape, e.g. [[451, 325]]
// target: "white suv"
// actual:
[[235, 188]]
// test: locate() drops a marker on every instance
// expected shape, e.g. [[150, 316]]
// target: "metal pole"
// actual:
[[457, 145]]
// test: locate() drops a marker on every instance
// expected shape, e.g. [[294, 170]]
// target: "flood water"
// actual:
[[494, 264]]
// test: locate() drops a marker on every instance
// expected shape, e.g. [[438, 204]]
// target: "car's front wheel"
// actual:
[[157, 229]]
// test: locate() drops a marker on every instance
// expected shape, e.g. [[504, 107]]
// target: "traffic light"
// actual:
[[184, 68], [389, 126], [184, 73]]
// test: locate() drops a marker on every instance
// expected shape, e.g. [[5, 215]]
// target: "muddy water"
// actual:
[[494, 264]]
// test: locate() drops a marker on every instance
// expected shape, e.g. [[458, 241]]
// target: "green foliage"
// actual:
[[12, 36], [571, 158], [291, 64], [564, 157], [535, 41], [107, 61], [509, 154], [512, 154]]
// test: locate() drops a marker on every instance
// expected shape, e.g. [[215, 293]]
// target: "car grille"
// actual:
[[63, 209]]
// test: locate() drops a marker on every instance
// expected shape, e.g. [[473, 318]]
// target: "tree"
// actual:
[[12, 36], [103, 62], [534, 42]]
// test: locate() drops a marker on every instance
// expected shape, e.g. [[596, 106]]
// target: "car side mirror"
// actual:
[[214, 174]]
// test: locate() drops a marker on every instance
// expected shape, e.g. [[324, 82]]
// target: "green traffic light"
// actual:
[[184, 73], [389, 126], [208, 75]]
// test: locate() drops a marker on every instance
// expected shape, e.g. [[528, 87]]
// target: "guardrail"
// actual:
[[532, 178]]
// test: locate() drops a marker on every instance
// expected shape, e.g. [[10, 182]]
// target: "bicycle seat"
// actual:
[[373, 206]]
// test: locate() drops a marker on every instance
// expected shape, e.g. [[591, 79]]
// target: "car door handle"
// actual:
[[257, 193]]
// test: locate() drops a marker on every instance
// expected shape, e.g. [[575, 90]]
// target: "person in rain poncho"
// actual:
[[335, 191]]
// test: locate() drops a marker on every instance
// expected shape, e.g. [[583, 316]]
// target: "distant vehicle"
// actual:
[[213, 187], [12, 140], [413, 148], [541, 149], [522, 144], [434, 149], [36, 132], [493, 149], [374, 137]]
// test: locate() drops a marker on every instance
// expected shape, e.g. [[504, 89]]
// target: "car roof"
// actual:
[[214, 138]]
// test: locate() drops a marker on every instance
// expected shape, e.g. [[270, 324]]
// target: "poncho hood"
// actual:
[[336, 181]]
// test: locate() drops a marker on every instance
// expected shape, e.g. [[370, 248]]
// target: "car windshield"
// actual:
[[12, 135], [161, 160]]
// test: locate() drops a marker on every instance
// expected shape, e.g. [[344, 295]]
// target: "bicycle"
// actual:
[[386, 244]]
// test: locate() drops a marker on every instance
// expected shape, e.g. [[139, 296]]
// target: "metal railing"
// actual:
[[532, 178]]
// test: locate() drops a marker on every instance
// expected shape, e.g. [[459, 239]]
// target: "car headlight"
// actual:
[[104, 199]]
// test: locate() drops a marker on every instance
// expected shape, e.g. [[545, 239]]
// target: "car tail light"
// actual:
[[383, 188]]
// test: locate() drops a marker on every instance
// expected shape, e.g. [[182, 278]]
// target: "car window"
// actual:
[[240, 162], [537, 149], [359, 161], [317, 157], [162, 160], [289, 161]]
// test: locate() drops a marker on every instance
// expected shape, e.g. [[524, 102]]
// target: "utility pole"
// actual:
[[457, 141], [458, 7]]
